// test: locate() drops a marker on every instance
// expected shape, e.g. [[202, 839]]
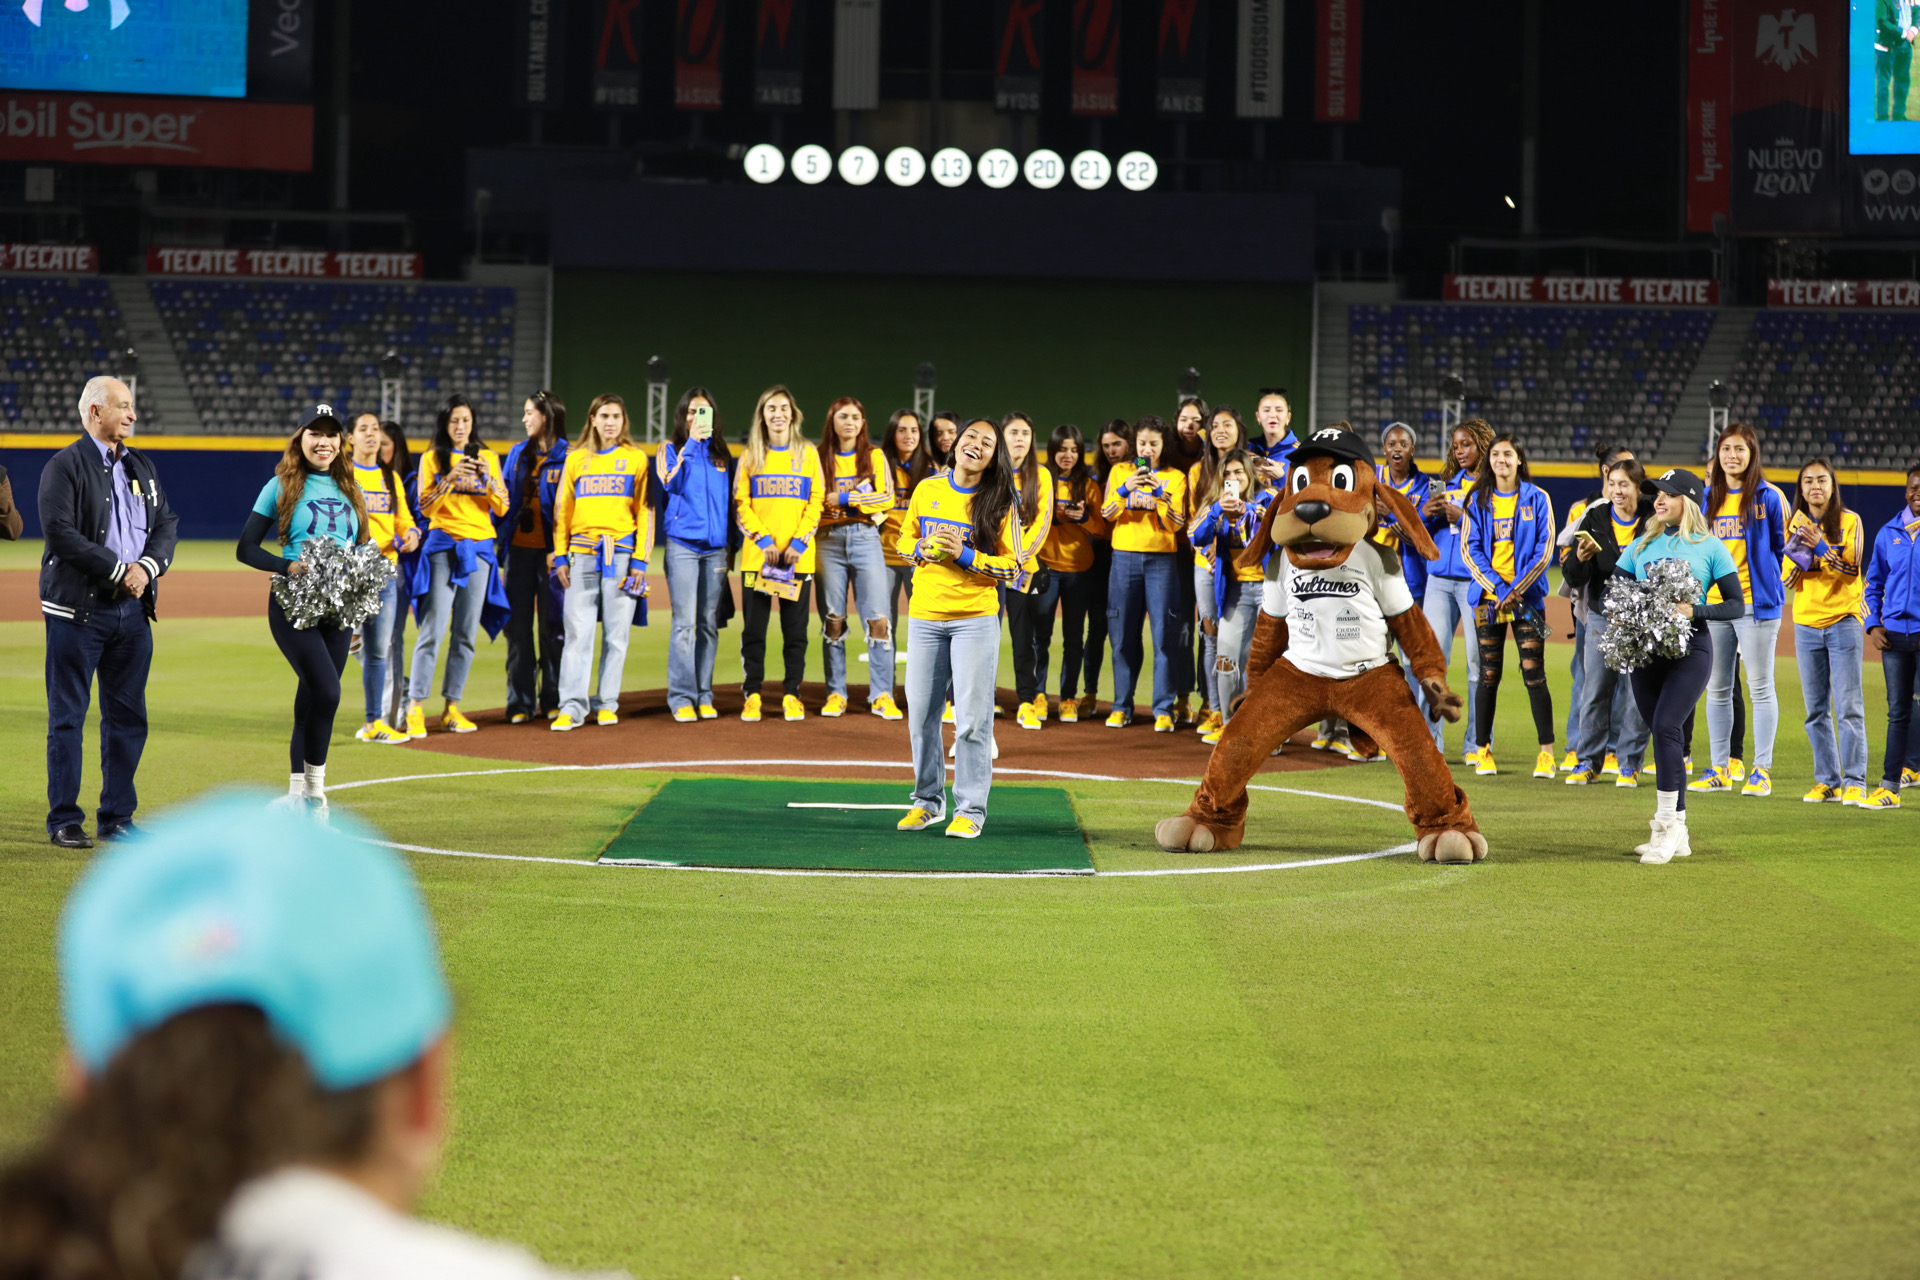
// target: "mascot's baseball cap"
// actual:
[[1680, 484], [1336, 440], [323, 419], [229, 902]]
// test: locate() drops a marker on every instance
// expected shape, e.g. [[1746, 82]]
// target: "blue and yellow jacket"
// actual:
[[1766, 541], [699, 495], [781, 502], [1446, 536], [1533, 547], [1218, 541], [1893, 575], [1413, 566], [966, 586], [546, 486]]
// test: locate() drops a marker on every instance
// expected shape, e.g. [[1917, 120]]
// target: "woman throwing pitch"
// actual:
[[959, 531]]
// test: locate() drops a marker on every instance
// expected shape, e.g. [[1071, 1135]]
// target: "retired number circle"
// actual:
[[812, 164], [1044, 169], [859, 166], [1091, 170]]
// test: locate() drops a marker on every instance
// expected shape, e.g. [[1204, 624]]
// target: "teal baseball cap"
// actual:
[[227, 901]]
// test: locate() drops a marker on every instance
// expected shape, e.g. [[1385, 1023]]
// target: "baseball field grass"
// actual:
[[1556, 1063]]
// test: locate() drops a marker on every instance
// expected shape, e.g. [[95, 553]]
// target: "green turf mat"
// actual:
[[748, 822]]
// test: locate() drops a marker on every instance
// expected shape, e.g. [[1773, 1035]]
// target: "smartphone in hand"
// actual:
[[700, 422]]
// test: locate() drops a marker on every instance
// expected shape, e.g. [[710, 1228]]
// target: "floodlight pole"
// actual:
[[656, 399], [925, 379], [1189, 387], [391, 369], [1453, 406], [130, 374], [1719, 405]]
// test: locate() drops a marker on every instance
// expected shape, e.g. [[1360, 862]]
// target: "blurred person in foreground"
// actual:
[[257, 1065]]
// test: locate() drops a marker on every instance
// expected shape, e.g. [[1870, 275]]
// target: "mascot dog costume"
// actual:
[[1320, 649]]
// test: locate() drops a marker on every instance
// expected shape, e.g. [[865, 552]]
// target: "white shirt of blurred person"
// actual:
[[283, 1127]]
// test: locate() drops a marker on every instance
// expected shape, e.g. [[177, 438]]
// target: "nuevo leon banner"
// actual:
[[1788, 126], [81, 128]]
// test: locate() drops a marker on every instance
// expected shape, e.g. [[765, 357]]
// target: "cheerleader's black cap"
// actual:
[[1678, 483], [323, 419]]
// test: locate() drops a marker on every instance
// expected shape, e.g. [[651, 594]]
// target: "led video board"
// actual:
[[186, 47]]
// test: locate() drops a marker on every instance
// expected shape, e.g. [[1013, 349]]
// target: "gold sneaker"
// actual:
[[607, 715], [750, 709], [1543, 763], [1069, 711], [1881, 798], [416, 722], [790, 708], [1483, 763], [685, 715], [454, 722], [886, 708], [1026, 718], [917, 819], [836, 706]]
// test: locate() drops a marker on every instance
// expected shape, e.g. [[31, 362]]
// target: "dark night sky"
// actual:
[[1441, 86]]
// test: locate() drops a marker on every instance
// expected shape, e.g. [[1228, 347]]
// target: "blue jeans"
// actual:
[[1899, 662], [115, 643], [695, 580], [1449, 602], [963, 653], [376, 643], [591, 596], [1609, 717], [1832, 665], [1577, 668], [1752, 640], [452, 613], [851, 553], [1142, 587], [1205, 611], [1229, 666]]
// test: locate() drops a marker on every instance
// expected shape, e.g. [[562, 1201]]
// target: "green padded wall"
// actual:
[[1065, 351]]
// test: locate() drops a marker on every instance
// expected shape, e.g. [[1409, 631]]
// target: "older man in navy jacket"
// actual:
[[110, 536]]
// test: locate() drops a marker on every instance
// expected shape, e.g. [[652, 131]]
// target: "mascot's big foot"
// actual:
[[1184, 835], [1450, 846]]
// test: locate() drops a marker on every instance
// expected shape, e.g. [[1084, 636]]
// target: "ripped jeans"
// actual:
[[1492, 630], [1235, 639], [851, 553]]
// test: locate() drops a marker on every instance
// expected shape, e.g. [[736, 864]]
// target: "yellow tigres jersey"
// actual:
[[900, 479], [1069, 546], [1726, 527], [462, 508], [388, 517], [846, 479], [603, 495], [1504, 506], [944, 590], [1836, 587], [780, 503], [1141, 529]]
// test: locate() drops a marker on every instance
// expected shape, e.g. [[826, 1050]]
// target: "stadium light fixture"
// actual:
[[1189, 382], [925, 379], [391, 369], [130, 374], [1719, 413], [656, 398], [1453, 403]]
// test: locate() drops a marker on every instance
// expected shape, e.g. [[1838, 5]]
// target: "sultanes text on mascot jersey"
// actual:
[[1332, 602]]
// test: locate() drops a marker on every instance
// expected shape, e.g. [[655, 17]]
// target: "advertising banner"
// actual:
[[1843, 293], [696, 54], [280, 50], [1257, 60], [1336, 62], [111, 129], [298, 264], [1017, 33], [856, 55], [779, 54], [51, 259], [1709, 84], [1789, 78], [616, 55], [1180, 46], [539, 63], [1636, 291], [1096, 58]]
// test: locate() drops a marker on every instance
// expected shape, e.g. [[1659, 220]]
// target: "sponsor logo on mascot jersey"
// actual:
[[1336, 618]]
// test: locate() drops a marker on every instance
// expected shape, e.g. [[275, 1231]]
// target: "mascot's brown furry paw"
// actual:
[[1338, 598]]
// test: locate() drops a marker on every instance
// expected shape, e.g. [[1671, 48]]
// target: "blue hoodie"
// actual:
[[1766, 539], [1533, 547], [1446, 536], [699, 508], [1893, 575]]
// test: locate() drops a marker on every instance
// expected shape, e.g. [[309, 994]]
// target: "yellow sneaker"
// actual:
[[1571, 762], [382, 734], [1582, 777], [836, 706], [1711, 780], [1759, 782], [454, 722], [1543, 763], [1611, 766], [563, 722], [709, 712], [750, 709], [1180, 713], [1321, 742], [917, 819], [886, 708], [607, 715], [1212, 736], [1821, 793], [1909, 776], [1736, 769], [1163, 724], [416, 722], [518, 717], [1483, 763], [790, 708], [1026, 718], [962, 827], [685, 715], [1119, 719], [1069, 711], [1881, 798], [1853, 797], [1627, 780], [1040, 708], [946, 717]]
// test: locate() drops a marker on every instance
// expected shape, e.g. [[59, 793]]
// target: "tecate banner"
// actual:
[[1844, 293], [1635, 291], [50, 259], [297, 264], [84, 129]]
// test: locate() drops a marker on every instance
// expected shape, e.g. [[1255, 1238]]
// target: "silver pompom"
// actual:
[[341, 587], [1641, 623]]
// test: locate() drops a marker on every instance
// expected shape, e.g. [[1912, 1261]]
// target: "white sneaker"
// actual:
[[1682, 841], [1667, 834], [297, 804], [317, 809]]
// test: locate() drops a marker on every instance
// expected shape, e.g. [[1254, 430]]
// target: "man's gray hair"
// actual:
[[94, 394]]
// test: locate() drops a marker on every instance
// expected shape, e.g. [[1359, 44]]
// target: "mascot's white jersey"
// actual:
[[1336, 618]]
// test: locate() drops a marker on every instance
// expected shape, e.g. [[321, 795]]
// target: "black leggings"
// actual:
[[317, 655], [1533, 673], [1666, 690], [1737, 739], [1030, 623], [756, 610], [1083, 622]]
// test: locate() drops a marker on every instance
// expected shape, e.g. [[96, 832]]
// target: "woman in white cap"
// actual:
[[256, 1079]]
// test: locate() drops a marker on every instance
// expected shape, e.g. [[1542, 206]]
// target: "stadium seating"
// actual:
[[55, 333], [1560, 378], [1845, 384], [256, 353]]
